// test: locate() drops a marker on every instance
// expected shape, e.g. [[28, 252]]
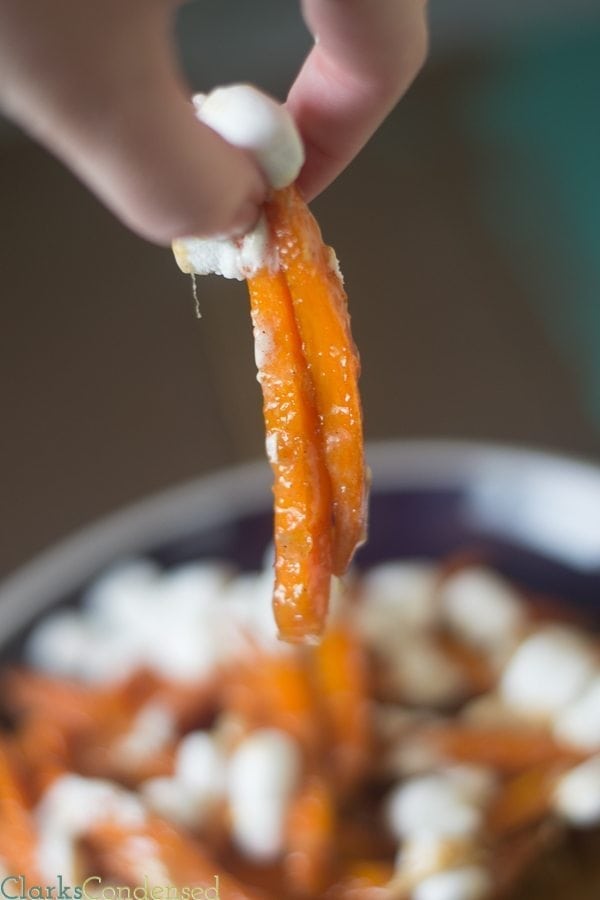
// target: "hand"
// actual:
[[98, 84]]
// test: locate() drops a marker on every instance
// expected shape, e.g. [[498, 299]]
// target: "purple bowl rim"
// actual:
[[228, 494]]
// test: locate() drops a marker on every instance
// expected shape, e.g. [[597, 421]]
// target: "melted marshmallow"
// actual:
[[246, 118], [579, 723], [577, 794], [198, 784], [419, 671], [397, 595], [69, 808], [443, 804], [481, 607], [200, 766], [547, 671], [152, 730], [250, 119], [464, 883], [264, 771]]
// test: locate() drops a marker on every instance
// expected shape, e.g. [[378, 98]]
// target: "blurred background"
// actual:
[[468, 231]]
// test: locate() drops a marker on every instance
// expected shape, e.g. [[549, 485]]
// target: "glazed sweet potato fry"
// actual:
[[321, 313], [523, 800], [128, 856], [302, 488], [274, 691], [505, 749], [311, 834], [17, 833], [339, 672]]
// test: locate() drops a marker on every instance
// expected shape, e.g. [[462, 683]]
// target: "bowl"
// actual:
[[533, 516]]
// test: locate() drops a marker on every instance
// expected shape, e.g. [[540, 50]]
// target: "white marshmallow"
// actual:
[[198, 784], [419, 671], [68, 809], [464, 883], [246, 118], [120, 596], [481, 607], [577, 794], [151, 731], [191, 587], [421, 855], [264, 771], [250, 119], [59, 643], [200, 766], [547, 671], [182, 624], [172, 800], [397, 596], [433, 804], [229, 257], [579, 723]]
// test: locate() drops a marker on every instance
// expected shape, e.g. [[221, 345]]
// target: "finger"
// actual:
[[365, 57], [101, 90]]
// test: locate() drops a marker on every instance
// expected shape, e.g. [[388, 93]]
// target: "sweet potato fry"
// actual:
[[275, 691], [505, 749], [17, 833], [302, 487], [321, 313], [310, 844], [159, 851], [523, 800], [339, 671]]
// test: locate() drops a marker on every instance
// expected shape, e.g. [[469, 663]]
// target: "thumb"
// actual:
[[100, 88]]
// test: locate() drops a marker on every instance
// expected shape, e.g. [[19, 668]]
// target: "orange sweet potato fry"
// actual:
[[523, 800], [17, 833], [340, 677], [367, 879], [321, 313], [311, 833], [275, 691], [302, 487], [505, 749], [127, 856]]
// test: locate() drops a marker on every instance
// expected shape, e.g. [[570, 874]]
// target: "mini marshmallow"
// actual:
[[236, 258], [397, 595], [425, 854], [172, 800], [418, 671], [579, 723], [465, 883], [420, 856], [481, 607], [246, 118], [58, 644], [264, 771], [69, 808], [435, 804], [577, 794], [121, 594], [547, 671], [182, 624], [151, 731], [190, 797], [200, 766]]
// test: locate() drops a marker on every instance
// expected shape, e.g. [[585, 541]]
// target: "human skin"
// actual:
[[97, 82]]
